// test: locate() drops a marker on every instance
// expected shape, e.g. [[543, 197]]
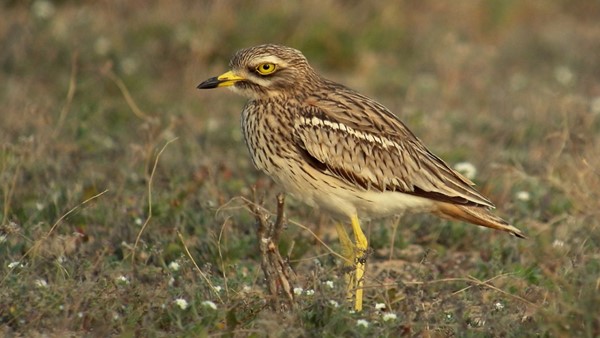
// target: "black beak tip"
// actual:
[[213, 82]]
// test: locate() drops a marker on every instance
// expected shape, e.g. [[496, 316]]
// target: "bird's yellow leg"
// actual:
[[361, 248], [347, 245], [348, 254], [354, 255]]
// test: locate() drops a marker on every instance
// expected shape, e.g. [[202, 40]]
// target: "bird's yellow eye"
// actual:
[[266, 68]]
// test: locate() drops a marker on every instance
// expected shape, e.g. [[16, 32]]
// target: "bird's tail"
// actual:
[[476, 215]]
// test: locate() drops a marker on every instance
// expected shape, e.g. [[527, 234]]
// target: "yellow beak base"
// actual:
[[223, 80]]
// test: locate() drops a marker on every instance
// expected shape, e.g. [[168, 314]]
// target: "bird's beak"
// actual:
[[223, 80]]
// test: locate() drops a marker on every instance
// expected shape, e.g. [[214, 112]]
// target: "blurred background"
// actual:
[[90, 92]]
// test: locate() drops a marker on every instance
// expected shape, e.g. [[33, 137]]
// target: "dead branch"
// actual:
[[279, 276]]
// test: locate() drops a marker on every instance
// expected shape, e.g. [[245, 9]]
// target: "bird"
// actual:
[[341, 151]]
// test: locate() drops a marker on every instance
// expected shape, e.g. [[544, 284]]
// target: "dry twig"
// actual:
[[279, 276]]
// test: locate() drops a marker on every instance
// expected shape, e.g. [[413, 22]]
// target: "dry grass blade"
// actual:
[[187, 251], [150, 180], [70, 94], [127, 95]]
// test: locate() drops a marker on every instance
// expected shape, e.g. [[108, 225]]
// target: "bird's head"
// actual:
[[264, 71]]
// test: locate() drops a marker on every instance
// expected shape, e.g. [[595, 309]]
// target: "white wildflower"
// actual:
[[209, 304], [182, 303], [563, 75], [310, 292], [122, 279], [80, 314], [102, 46], [499, 306], [174, 266], [171, 281], [362, 322], [14, 264], [41, 283], [129, 65], [467, 169], [218, 288], [298, 291], [523, 196], [379, 306], [389, 316], [329, 284], [43, 9], [558, 244], [333, 303]]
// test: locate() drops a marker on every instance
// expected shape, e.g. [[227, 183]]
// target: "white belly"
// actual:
[[338, 198]]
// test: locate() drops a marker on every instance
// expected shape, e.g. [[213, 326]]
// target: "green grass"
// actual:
[[91, 93]]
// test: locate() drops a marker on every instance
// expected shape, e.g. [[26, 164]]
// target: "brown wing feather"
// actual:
[[375, 150]]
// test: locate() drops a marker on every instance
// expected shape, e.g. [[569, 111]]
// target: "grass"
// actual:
[[122, 187]]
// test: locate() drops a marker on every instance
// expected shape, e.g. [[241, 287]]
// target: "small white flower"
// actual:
[[41, 283], [129, 65], [379, 306], [43, 9], [209, 304], [61, 307], [298, 291], [523, 196], [246, 288], [467, 169], [61, 259], [218, 288], [14, 264], [351, 312], [182, 303], [329, 284], [80, 314], [171, 281], [122, 279], [102, 46], [558, 244], [138, 221], [499, 306], [389, 316], [310, 292], [333, 303], [362, 322], [563, 75], [116, 316], [174, 266]]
